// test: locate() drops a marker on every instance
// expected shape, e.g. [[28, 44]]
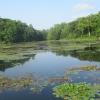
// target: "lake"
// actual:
[[48, 63]]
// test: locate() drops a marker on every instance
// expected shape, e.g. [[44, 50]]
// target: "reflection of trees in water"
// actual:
[[4, 65], [86, 55], [61, 52], [89, 53]]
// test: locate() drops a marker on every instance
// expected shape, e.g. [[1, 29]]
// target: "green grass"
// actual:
[[84, 39]]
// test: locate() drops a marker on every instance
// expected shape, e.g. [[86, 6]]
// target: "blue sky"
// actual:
[[43, 14]]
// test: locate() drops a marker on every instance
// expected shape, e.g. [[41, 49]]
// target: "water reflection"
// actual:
[[44, 62], [53, 61], [86, 55], [50, 67], [6, 65]]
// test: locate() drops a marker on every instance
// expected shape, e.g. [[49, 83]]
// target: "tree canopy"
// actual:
[[85, 26], [17, 31]]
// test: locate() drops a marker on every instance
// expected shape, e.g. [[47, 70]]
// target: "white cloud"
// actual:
[[82, 7]]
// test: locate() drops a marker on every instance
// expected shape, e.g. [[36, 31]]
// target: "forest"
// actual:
[[16, 31], [82, 27]]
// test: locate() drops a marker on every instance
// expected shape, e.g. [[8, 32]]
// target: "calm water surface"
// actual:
[[45, 65]]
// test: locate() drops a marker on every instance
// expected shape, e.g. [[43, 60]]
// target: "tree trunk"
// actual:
[[89, 33]]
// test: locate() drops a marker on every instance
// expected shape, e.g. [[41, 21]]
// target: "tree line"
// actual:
[[84, 26], [17, 31]]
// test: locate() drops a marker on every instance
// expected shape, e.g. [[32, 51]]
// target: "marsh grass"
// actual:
[[19, 53], [79, 90], [19, 83], [15, 84], [10, 52], [86, 68]]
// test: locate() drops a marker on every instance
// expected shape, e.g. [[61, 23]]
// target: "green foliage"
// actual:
[[54, 33], [82, 27], [76, 91], [16, 31]]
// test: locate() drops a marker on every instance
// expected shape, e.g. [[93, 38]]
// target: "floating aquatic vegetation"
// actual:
[[88, 73], [14, 59], [19, 83], [58, 79], [16, 84], [77, 91], [85, 68], [7, 83]]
